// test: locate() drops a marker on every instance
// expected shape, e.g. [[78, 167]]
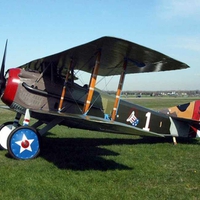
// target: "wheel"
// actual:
[[5, 130], [24, 143]]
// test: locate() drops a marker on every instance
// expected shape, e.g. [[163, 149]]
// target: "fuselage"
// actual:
[[33, 90]]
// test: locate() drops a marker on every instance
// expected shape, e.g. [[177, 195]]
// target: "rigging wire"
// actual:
[[106, 83], [75, 100], [104, 77]]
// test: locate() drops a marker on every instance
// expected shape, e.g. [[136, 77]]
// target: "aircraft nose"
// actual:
[[2, 77]]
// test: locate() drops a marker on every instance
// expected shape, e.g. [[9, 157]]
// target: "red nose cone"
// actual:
[[11, 86]]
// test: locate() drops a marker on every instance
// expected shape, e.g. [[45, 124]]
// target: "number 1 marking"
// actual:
[[148, 116]]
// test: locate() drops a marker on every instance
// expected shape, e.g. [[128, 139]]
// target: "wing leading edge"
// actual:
[[113, 53]]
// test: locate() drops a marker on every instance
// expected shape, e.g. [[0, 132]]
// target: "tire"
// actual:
[[24, 143], [5, 130]]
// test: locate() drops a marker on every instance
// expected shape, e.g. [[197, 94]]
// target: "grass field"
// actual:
[[78, 164]]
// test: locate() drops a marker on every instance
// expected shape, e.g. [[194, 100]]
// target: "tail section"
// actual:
[[188, 113]]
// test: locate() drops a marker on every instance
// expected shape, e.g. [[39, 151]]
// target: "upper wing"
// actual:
[[113, 52]]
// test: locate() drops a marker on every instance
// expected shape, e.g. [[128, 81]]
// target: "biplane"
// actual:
[[46, 89]]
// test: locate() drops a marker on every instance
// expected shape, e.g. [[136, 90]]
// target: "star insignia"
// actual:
[[25, 144]]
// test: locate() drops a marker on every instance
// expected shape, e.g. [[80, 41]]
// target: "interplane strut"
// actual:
[[64, 87], [92, 84], [119, 90]]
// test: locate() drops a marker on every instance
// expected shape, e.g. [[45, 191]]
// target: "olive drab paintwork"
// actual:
[[46, 89]]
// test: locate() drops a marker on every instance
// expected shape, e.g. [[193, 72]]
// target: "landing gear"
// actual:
[[24, 143], [5, 130]]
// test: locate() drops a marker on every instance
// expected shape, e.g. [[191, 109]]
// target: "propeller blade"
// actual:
[[2, 77], [3, 62]]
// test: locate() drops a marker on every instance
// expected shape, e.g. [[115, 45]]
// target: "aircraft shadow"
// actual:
[[86, 153], [79, 154]]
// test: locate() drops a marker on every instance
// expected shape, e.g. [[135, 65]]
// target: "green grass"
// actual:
[[161, 102], [78, 164]]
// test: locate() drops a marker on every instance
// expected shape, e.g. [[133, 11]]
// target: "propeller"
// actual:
[[2, 77]]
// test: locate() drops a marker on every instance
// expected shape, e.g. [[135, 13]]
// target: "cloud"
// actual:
[[179, 8]]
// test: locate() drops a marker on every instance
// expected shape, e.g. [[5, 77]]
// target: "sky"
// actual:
[[36, 29]]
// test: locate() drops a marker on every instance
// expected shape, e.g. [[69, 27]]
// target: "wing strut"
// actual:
[[119, 90], [64, 86], [92, 83]]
